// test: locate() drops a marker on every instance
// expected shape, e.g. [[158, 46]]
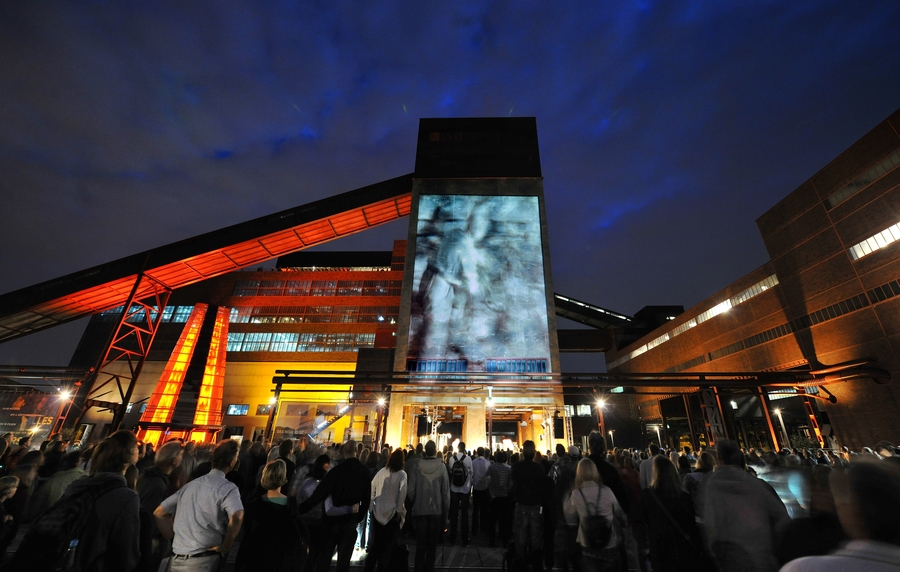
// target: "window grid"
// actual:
[[314, 314], [298, 342], [317, 288]]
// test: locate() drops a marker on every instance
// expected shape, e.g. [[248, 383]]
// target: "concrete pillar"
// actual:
[[475, 435], [394, 425]]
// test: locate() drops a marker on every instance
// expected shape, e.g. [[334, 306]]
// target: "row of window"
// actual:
[[883, 167], [296, 342], [314, 314], [176, 314], [877, 242], [317, 288], [437, 365], [494, 365], [851, 304], [719, 308]]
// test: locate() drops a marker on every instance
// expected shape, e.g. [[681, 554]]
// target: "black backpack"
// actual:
[[458, 474], [597, 530], [52, 541]]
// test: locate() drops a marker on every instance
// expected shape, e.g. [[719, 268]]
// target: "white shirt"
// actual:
[[206, 504]]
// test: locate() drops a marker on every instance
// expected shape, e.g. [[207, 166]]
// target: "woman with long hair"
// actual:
[[272, 536], [669, 514], [594, 508], [388, 510]]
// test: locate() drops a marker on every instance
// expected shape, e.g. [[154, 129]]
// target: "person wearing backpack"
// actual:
[[96, 524], [593, 507], [460, 466]]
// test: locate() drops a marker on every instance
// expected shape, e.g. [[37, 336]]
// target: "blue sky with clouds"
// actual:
[[666, 128]]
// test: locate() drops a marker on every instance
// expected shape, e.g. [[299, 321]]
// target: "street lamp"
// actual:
[[658, 438], [600, 405], [787, 438], [612, 439]]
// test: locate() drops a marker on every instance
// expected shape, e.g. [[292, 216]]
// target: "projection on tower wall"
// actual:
[[478, 293]]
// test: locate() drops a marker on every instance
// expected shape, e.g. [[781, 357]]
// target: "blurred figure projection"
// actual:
[[478, 284]]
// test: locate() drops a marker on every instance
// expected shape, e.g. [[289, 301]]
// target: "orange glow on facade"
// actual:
[[162, 402], [209, 402]]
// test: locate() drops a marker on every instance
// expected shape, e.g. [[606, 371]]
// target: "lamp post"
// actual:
[[612, 439], [658, 438], [490, 412], [600, 405], [787, 438]]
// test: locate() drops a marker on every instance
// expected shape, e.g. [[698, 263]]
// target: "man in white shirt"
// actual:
[[460, 488], [204, 517], [481, 496]]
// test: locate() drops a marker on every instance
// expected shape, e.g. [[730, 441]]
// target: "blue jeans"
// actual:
[[529, 536]]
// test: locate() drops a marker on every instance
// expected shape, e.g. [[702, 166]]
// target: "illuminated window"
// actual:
[[238, 409], [312, 343], [235, 339], [181, 314], [257, 342], [246, 287], [284, 342], [129, 407], [583, 410], [876, 242], [263, 409]]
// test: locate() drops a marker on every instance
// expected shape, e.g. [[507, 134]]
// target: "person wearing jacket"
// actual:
[[112, 536], [349, 489], [429, 490], [388, 510]]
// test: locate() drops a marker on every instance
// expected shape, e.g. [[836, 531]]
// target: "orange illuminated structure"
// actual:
[[209, 406]]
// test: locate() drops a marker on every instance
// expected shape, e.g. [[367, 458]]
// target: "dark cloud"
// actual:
[[666, 128]]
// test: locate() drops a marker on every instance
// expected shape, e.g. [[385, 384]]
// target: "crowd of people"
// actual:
[[122, 506]]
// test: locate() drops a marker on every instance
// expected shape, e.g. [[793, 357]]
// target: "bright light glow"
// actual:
[[273, 400], [489, 402], [65, 394], [734, 405], [381, 402], [35, 429], [601, 404], [777, 411]]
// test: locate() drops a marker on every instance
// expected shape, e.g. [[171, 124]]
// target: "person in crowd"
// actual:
[[56, 448], [313, 519], [867, 500], [388, 510], [429, 489], [153, 482], [67, 471], [693, 482], [8, 486], [346, 489], [146, 459], [204, 517], [272, 540], [669, 513], [111, 540], [566, 550], [500, 513], [589, 500], [530, 488], [742, 515], [286, 454], [459, 493], [636, 533], [609, 476], [647, 468], [820, 532], [481, 496], [20, 506]]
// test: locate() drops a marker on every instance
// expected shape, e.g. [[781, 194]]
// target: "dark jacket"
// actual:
[[529, 484], [273, 540], [112, 534], [348, 484], [152, 488], [669, 550], [611, 478]]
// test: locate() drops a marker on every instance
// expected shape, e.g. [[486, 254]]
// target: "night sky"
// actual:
[[666, 128]]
